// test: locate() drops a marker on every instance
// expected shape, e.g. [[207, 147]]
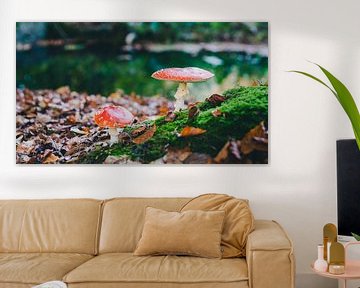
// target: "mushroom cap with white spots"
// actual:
[[113, 117], [187, 74]]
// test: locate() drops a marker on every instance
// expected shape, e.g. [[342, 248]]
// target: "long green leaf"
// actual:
[[344, 97], [357, 137], [357, 237], [347, 102], [316, 79]]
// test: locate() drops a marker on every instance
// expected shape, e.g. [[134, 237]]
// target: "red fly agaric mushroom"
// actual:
[[113, 117], [183, 76]]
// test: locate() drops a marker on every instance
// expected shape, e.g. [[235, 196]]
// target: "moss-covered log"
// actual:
[[243, 109]]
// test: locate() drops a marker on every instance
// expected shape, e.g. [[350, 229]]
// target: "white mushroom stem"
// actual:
[[181, 93], [114, 135]]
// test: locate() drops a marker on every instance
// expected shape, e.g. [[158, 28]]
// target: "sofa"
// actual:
[[90, 243]]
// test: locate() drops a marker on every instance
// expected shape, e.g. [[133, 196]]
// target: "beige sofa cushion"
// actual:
[[237, 284], [15, 285], [35, 268], [125, 268], [123, 220], [193, 232], [239, 220], [64, 226]]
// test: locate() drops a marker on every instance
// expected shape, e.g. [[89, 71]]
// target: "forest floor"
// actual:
[[56, 126]]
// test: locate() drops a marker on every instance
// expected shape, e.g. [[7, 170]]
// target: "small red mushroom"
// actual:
[[113, 117], [183, 76]]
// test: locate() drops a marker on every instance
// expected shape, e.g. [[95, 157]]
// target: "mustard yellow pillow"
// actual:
[[238, 223], [193, 232]]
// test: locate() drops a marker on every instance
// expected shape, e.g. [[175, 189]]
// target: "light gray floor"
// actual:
[[314, 281]]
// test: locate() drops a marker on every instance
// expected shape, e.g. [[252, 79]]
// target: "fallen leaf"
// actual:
[[188, 131], [43, 118], [50, 159], [230, 153], [145, 136], [138, 131], [71, 119], [86, 129], [223, 153], [176, 156], [193, 111], [234, 148], [171, 116], [198, 158], [216, 113], [215, 99], [63, 90], [25, 147], [163, 110], [261, 140], [78, 131], [255, 139], [116, 95]]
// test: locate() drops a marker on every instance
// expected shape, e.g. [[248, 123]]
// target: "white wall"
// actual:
[[298, 187]]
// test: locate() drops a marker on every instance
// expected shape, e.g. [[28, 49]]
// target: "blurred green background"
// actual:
[[103, 57]]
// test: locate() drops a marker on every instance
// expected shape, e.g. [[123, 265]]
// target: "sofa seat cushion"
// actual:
[[36, 268], [127, 268], [242, 284]]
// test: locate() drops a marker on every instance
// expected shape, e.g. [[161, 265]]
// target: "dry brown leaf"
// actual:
[[223, 153], [116, 95], [163, 110], [215, 99], [136, 98], [193, 111], [50, 159], [188, 131], [138, 131], [171, 116], [145, 136], [198, 158], [216, 113], [71, 119], [177, 156], [230, 153], [43, 118], [78, 131], [63, 90], [25, 147], [255, 139], [86, 130]]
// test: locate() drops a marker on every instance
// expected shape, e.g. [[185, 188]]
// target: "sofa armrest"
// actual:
[[269, 256]]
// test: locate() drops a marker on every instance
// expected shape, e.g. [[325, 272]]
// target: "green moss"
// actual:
[[243, 109]]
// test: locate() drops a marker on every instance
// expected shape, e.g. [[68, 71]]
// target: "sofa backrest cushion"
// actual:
[[123, 220], [239, 220], [64, 226]]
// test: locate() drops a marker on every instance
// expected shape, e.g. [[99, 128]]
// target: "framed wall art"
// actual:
[[142, 93]]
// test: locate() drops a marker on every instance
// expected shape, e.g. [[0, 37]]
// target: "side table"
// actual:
[[352, 268]]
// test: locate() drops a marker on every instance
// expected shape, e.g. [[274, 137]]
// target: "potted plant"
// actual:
[[345, 99]]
